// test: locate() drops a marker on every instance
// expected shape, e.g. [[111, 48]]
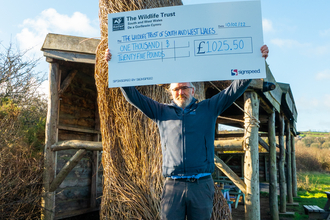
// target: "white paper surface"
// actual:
[[190, 43]]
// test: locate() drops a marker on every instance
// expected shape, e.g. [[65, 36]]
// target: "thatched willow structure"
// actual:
[[131, 145]]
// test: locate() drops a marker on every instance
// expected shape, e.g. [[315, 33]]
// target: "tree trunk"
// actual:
[[294, 168], [281, 167], [273, 202], [47, 203], [288, 164], [251, 159]]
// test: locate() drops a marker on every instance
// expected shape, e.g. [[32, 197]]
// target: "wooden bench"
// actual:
[[236, 196], [315, 212], [327, 205]]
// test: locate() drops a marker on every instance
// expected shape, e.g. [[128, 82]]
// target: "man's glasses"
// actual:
[[181, 87]]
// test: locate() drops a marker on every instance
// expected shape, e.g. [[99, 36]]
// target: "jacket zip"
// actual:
[[183, 143]]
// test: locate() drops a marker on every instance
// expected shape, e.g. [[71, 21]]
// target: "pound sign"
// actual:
[[200, 47]]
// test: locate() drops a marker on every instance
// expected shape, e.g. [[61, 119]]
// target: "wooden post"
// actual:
[[281, 165], [273, 202], [48, 199], [251, 157], [288, 164], [294, 168]]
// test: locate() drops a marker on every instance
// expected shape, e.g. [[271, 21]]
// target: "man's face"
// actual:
[[182, 93]]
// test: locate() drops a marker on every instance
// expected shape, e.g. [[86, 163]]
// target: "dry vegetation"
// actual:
[[313, 153], [22, 126]]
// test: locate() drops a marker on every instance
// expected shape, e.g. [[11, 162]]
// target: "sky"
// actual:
[[297, 33]]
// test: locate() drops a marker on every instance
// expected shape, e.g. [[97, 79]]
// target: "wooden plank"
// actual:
[[251, 156], [229, 173], [70, 43], [94, 178], [273, 201], [68, 128], [77, 144], [48, 207], [70, 56], [282, 207]]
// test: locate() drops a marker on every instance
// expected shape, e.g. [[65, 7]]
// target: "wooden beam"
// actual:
[[273, 201], [237, 135], [229, 135], [66, 169], [47, 203], [263, 143], [282, 207], [67, 82], [288, 163], [251, 156], [230, 174], [77, 144], [228, 145]]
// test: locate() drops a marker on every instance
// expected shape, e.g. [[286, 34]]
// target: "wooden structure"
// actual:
[[73, 174], [72, 178]]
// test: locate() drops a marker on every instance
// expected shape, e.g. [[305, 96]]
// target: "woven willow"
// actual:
[[132, 158]]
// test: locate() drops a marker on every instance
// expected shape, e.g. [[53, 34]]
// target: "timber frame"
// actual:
[[73, 136]]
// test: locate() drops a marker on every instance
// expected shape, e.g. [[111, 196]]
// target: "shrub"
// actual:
[[308, 141], [310, 158], [315, 145], [20, 182], [326, 166], [326, 145]]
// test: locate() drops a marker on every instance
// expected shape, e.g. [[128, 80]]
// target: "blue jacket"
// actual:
[[187, 136]]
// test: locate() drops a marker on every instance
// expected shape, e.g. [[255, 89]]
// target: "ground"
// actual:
[[238, 214]]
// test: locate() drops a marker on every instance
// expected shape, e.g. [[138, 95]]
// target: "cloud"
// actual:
[[34, 30], [323, 75], [305, 104], [288, 43], [267, 25]]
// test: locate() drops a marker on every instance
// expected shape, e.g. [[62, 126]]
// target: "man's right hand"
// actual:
[[107, 55]]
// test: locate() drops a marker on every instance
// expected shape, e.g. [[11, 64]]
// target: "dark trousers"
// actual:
[[182, 199]]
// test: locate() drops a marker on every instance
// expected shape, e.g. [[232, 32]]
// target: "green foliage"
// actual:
[[8, 108]]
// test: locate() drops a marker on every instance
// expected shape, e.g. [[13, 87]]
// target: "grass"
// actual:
[[311, 187]]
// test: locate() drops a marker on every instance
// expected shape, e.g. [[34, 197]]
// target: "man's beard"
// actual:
[[182, 101]]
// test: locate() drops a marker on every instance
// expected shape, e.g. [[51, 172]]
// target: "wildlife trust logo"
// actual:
[[118, 24], [235, 72]]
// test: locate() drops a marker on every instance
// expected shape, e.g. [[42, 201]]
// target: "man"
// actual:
[[186, 129]]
